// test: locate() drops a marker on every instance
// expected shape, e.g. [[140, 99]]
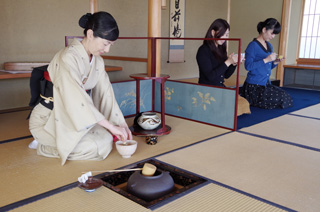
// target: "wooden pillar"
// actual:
[[164, 4], [93, 6], [154, 30], [286, 8]]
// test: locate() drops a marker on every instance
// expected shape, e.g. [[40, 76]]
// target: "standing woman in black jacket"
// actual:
[[214, 63]]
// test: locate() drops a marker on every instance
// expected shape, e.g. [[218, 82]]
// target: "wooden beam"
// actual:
[[93, 6], [133, 59], [154, 30], [164, 4], [286, 8], [229, 11]]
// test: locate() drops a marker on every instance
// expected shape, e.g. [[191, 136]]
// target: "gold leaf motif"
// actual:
[[206, 99]]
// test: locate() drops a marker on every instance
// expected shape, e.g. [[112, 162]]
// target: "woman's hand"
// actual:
[[119, 132], [128, 131], [279, 59], [232, 59], [271, 57], [122, 132]]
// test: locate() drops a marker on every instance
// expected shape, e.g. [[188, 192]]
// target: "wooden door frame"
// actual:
[[285, 18]]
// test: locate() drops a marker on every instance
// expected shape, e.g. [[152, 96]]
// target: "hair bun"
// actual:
[[83, 21]]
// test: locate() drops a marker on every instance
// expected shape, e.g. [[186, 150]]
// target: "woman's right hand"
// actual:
[[119, 131]]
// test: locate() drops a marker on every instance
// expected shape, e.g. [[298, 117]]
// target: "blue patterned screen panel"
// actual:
[[201, 103], [125, 93]]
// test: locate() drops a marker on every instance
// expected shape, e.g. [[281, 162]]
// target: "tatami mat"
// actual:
[[216, 198], [283, 174], [208, 198], [312, 111], [14, 125], [103, 199], [26, 174], [289, 128]]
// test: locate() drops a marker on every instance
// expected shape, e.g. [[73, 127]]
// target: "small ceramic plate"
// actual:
[[91, 184]]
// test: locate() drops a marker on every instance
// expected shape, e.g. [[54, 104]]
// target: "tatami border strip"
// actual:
[[15, 110], [15, 139], [302, 116], [281, 141]]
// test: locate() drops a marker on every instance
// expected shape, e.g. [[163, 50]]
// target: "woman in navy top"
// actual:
[[260, 59], [213, 61]]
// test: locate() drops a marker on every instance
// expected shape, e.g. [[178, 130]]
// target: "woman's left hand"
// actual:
[[278, 60]]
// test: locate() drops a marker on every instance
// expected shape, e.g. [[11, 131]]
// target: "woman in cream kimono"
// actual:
[[85, 113]]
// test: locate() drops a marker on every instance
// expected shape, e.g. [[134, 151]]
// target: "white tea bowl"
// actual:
[[127, 148]]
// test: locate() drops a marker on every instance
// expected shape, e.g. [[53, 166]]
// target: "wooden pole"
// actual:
[[164, 4], [286, 8], [93, 6], [154, 30]]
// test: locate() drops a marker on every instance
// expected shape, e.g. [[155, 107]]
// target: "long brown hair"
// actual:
[[220, 26]]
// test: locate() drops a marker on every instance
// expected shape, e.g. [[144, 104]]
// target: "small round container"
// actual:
[[149, 120], [91, 184], [126, 149]]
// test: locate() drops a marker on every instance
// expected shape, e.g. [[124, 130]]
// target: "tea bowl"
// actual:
[[127, 148]]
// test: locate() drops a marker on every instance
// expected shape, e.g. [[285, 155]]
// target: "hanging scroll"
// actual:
[[177, 18]]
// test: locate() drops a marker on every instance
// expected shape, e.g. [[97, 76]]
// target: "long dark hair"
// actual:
[[220, 26], [269, 23], [102, 24]]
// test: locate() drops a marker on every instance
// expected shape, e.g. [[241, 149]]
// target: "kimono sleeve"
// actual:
[[105, 101]]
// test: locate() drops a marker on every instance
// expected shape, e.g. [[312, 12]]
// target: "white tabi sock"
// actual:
[[33, 144]]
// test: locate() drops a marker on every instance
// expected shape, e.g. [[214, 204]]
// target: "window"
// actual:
[[310, 33]]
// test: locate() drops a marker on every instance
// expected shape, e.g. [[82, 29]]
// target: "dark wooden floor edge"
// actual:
[[15, 110], [15, 139]]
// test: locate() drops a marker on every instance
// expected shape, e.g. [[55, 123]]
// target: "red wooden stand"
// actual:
[[163, 129]]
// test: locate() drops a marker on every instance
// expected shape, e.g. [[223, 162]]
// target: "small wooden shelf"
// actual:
[[113, 68], [159, 131], [301, 66], [26, 66], [4, 75]]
